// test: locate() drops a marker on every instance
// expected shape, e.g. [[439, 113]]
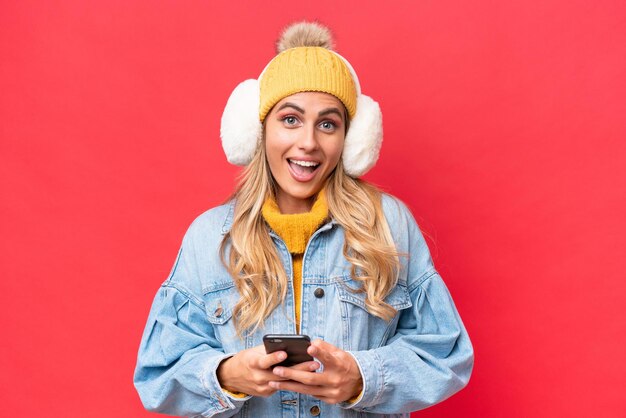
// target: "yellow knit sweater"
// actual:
[[296, 230]]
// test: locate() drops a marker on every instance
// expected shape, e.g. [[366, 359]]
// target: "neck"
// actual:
[[290, 205], [295, 228]]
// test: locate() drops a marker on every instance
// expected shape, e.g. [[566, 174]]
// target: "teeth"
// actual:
[[305, 163]]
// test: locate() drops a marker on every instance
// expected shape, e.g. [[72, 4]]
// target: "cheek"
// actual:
[[273, 156], [273, 148], [277, 142], [334, 152]]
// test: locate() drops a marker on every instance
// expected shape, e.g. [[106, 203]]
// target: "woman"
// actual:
[[306, 247]]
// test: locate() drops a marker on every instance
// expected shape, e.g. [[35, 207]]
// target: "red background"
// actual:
[[504, 132]]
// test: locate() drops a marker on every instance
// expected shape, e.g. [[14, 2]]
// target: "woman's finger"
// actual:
[[305, 377], [266, 361], [325, 352], [293, 386], [307, 366]]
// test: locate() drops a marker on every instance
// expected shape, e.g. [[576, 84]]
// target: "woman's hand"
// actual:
[[340, 381], [249, 371]]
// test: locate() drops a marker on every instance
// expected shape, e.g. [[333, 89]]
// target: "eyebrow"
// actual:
[[288, 104], [331, 110], [322, 113]]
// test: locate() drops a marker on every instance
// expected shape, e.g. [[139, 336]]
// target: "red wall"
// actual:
[[504, 132]]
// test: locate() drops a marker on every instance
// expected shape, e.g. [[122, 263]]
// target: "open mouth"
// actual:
[[303, 170]]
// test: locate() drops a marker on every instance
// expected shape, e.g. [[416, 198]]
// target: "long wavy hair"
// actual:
[[249, 254]]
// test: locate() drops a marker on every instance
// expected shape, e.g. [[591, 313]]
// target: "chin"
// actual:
[[301, 191], [304, 194]]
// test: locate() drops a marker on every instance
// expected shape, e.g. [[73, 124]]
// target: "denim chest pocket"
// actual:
[[363, 330], [219, 301], [346, 289], [219, 305]]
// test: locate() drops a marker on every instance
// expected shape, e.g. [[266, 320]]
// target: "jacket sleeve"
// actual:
[[430, 356], [179, 353]]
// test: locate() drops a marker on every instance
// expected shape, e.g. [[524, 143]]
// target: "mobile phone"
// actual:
[[294, 345]]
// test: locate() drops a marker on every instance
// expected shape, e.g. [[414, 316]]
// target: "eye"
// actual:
[[328, 125], [290, 120]]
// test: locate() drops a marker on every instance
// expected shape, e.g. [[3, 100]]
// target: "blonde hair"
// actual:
[[255, 265]]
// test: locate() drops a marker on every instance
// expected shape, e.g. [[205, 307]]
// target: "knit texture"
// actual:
[[296, 230], [306, 69]]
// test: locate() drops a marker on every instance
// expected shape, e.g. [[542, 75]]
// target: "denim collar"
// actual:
[[228, 222]]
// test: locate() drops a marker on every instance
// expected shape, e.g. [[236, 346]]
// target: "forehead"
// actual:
[[313, 100]]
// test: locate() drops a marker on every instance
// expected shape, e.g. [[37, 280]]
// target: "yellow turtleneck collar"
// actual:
[[296, 229]]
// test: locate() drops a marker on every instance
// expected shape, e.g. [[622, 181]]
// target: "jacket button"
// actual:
[[315, 410], [319, 292], [218, 312]]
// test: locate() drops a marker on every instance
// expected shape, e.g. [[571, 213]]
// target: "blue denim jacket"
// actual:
[[419, 358]]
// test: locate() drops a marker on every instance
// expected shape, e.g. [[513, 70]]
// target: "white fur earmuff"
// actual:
[[241, 130], [364, 137]]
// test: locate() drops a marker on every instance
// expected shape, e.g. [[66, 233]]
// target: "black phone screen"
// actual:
[[295, 345]]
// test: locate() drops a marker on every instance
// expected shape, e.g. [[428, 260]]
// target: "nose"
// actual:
[[307, 140]]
